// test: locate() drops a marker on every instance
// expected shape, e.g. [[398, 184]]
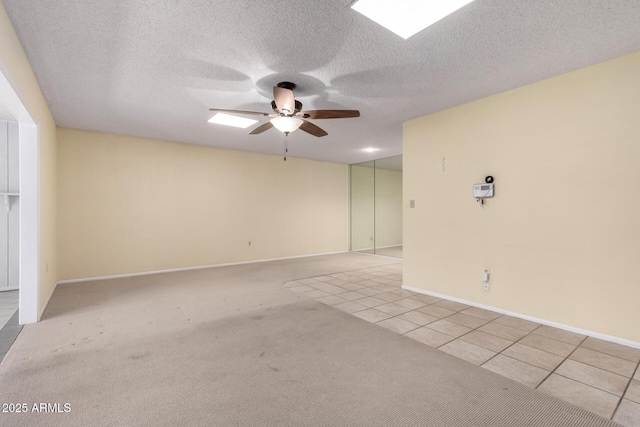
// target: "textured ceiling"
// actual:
[[152, 68]]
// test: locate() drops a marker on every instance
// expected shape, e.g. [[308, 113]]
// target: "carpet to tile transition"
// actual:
[[230, 347]]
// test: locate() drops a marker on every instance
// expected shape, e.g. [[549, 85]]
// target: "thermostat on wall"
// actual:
[[482, 191]]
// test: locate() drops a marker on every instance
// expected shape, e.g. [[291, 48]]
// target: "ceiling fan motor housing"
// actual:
[[287, 85], [297, 108]]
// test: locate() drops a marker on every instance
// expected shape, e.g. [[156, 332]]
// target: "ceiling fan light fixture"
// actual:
[[231, 120], [407, 17], [286, 124]]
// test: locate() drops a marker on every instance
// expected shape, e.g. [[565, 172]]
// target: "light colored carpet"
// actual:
[[231, 347]]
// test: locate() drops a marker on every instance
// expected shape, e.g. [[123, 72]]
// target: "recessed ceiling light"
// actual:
[[230, 120], [407, 17], [370, 150]]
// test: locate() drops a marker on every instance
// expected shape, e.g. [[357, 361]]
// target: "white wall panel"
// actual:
[[4, 223], [4, 157], [9, 220]]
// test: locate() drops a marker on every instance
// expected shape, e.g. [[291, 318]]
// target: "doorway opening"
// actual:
[[22, 205], [10, 207]]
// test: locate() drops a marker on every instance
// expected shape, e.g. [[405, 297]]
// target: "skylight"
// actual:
[[407, 17], [230, 120]]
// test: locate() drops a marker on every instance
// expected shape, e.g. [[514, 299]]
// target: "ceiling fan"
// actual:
[[287, 114]]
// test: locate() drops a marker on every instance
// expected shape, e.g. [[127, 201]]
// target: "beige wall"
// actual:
[[129, 205], [16, 68], [562, 234]]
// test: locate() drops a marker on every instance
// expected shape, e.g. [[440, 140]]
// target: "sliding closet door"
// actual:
[[388, 209], [362, 207], [9, 207]]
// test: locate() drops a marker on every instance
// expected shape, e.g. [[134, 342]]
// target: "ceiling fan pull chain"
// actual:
[[286, 147]]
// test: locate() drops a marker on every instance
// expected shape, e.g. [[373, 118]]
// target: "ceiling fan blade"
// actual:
[[314, 130], [329, 114], [254, 113], [284, 99], [261, 128]]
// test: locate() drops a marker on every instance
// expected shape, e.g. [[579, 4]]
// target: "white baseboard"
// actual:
[[201, 267], [44, 306], [377, 247], [378, 255], [362, 249], [569, 328]]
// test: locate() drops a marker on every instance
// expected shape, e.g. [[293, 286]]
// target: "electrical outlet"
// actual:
[[249, 243], [412, 204], [485, 280]]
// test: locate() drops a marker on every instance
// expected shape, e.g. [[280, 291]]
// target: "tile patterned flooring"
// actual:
[[597, 375], [9, 327], [8, 306]]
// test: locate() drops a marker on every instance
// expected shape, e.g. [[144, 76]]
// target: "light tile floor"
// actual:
[[597, 375], [9, 327], [8, 306]]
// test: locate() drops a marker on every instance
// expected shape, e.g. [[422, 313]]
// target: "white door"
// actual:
[[9, 207]]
